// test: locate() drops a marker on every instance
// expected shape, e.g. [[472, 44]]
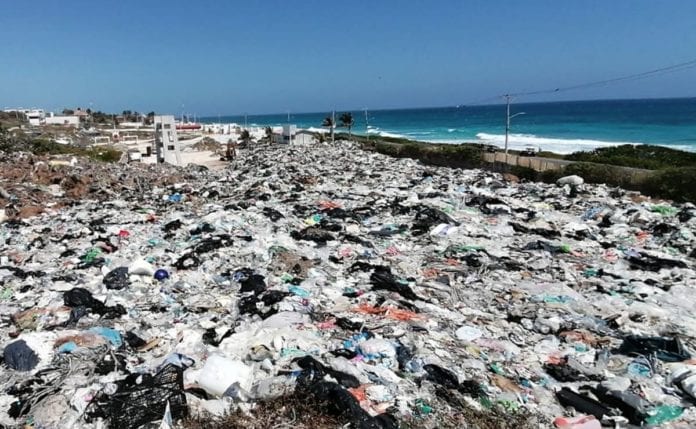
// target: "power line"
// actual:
[[627, 78], [656, 72]]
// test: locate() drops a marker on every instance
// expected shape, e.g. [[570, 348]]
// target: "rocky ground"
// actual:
[[328, 286]]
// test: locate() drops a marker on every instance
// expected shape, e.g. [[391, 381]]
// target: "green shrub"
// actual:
[[678, 184], [600, 173], [550, 176], [524, 172], [412, 150], [638, 156]]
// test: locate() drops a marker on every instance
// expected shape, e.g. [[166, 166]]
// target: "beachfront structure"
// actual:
[[287, 135], [66, 120], [166, 144]]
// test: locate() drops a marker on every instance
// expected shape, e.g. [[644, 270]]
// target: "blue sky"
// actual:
[[229, 57]]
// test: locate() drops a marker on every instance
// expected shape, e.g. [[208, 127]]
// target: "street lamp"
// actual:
[[507, 125]]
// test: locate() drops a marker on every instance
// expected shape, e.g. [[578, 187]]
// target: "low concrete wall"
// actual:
[[533, 162], [544, 164]]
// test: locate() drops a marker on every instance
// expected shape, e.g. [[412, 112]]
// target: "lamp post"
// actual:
[[367, 126], [507, 124]]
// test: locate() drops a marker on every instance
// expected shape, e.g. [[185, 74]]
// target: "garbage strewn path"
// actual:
[[374, 292]]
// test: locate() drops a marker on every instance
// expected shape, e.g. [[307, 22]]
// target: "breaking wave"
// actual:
[[377, 131], [520, 141]]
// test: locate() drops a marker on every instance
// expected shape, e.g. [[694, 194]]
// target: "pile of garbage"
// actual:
[[381, 292], [31, 184]]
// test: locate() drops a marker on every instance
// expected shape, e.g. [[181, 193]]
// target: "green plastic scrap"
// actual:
[[557, 299], [6, 293], [423, 408], [91, 255], [486, 402], [496, 368], [461, 248], [508, 405], [663, 210], [286, 278], [590, 272], [273, 250], [285, 352], [565, 248], [580, 347], [664, 413]]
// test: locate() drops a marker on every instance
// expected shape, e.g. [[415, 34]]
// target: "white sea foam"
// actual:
[[377, 131], [521, 141]]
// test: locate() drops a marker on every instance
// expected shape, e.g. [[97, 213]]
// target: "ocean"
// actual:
[[561, 127]]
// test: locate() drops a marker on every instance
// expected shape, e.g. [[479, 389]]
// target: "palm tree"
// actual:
[[245, 137], [347, 121], [329, 122]]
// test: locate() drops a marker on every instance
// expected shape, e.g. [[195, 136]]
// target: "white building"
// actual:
[[287, 135], [166, 144], [35, 116], [69, 121]]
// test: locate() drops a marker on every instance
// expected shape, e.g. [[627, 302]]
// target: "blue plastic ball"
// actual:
[[161, 274]]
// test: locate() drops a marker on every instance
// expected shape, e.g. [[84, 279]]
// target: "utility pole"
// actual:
[[367, 126], [507, 123], [333, 125], [507, 126]]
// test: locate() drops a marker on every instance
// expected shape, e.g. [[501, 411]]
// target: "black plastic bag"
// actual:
[[19, 356], [141, 399], [383, 279], [272, 214], [582, 404], [632, 406], [254, 283], [212, 243], [172, 226], [80, 297], [187, 261], [342, 403], [644, 261], [319, 370], [443, 377], [546, 233], [313, 234], [117, 278], [427, 218], [666, 349]]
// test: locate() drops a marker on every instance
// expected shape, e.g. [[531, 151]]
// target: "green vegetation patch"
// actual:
[[637, 156]]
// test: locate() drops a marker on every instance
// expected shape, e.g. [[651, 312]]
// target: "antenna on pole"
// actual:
[[367, 126]]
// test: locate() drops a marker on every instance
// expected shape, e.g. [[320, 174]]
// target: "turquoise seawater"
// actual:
[[559, 126]]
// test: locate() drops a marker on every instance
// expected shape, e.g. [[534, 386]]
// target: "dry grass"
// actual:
[[286, 412], [305, 413]]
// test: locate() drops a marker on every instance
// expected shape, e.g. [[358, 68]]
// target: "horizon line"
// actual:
[[463, 105]]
